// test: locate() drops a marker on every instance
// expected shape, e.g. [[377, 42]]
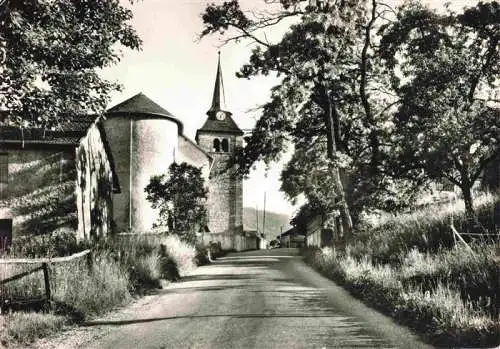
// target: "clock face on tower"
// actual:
[[220, 115]]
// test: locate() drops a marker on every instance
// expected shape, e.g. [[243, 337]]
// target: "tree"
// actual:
[[446, 72], [180, 196], [53, 51], [324, 103]]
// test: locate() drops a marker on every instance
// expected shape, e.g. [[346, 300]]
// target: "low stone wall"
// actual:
[[237, 242], [244, 243]]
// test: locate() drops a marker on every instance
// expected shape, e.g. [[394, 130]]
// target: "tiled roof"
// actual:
[[68, 133], [224, 126], [139, 103]]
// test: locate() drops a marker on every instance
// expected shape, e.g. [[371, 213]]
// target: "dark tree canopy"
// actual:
[[353, 75], [324, 106], [53, 53], [446, 69]]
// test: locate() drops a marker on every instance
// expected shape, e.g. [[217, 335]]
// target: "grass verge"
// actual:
[[407, 267], [440, 312], [123, 267]]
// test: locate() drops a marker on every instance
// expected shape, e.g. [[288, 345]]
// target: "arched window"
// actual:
[[216, 147], [225, 145]]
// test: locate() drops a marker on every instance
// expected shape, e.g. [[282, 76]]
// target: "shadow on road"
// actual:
[[199, 289], [244, 263], [233, 316], [217, 277]]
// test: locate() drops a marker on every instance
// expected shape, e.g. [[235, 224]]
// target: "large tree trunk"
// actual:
[[468, 201], [345, 213], [369, 119]]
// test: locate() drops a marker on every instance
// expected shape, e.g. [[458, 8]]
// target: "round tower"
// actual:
[[143, 138]]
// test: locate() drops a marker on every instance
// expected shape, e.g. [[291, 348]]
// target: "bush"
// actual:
[[61, 242], [180, 253], [201, 257], [216, 250]]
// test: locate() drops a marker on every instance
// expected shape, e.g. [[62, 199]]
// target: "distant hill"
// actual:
[[274, 221]]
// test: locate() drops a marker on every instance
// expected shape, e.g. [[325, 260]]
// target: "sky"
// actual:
[[177, 71]]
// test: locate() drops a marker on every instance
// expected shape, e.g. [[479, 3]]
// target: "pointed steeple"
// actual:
[[219, 120], [218, 89]]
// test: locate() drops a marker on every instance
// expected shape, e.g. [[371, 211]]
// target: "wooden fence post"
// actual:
[[90, 262], [46, 278]]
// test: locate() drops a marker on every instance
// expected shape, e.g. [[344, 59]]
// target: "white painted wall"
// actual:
[[153, 145], [141, 148]]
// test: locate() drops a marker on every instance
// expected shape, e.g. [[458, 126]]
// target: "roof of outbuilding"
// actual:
[[71, 130]]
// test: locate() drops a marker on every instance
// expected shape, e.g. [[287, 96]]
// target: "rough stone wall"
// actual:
[[40, 194], [230, 241], [225, 196], [94, 186]]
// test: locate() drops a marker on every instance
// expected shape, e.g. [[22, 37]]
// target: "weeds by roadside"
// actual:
[[124, 266], [406, 267], [439, 312], [25, 327]]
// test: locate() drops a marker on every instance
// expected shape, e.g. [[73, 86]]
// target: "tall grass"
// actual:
[[25, 327], [427, 230], [407, 268], [439, 312], [182, 254], [87, 293], [123, 266]]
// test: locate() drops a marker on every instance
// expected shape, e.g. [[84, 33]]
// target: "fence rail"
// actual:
[[45, 267], [44, 260]]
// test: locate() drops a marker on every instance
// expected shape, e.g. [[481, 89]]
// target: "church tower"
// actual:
[[219, 136]]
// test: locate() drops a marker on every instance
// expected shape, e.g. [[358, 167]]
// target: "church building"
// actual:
[[106, 165]]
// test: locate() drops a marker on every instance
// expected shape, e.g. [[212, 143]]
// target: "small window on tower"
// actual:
[[225, 145], [216, 147]]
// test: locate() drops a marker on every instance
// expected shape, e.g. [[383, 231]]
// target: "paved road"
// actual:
[[260, 299]]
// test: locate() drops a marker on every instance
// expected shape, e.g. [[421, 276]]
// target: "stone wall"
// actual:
[[40, 194], [230, 241], [94, 186], [225, 196]]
